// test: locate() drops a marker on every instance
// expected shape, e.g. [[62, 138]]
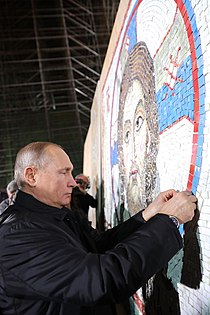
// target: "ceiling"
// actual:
[[52, 52]]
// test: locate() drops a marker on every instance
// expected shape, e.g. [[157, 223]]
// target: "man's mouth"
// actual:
[[133, 172]]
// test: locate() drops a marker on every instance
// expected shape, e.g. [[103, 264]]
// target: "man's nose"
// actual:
[[72, 181]]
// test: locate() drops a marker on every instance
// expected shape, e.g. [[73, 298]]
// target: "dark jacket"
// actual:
[[4, 205], [53, 263], [81, 201]]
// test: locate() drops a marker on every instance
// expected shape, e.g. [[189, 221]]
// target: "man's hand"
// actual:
[[82, 189], [182, 205], [179, 204]]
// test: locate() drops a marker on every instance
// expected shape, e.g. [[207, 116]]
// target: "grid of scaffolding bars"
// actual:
[[51, 57]]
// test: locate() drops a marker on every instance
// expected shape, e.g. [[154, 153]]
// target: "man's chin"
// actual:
[[67, 202], [135, 190], [135, 199]]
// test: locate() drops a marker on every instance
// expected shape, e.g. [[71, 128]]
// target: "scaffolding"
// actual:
[[52, 53]]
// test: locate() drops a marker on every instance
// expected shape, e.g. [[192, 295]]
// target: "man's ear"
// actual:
[[30, 175]]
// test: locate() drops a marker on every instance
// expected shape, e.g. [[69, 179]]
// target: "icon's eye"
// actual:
[[127, 136], [139, 123]]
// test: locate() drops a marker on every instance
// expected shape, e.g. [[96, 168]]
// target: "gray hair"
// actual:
[[34, 154]]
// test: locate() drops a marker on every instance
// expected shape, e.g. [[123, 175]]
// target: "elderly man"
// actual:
[[53, 262], [11, 190], [81, 200]]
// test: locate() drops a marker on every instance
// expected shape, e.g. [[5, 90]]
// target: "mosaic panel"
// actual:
[[156, 136]]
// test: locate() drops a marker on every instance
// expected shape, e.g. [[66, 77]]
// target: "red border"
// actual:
[[190, 35]]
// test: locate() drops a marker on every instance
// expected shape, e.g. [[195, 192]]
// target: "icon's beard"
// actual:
[[136, 195]]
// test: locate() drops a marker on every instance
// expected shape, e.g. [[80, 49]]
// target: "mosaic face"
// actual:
[[138, 130], [135, 137]]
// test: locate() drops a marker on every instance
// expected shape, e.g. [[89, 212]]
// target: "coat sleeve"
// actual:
[[39, 262], [91, 200], [111, 237]]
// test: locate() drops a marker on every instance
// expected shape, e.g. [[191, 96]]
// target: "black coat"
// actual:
[[4, 205], [82, 201], [53, 263]]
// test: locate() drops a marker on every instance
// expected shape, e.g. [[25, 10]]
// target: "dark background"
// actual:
[[52, 52]]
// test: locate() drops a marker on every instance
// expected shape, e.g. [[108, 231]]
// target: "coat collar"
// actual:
[[25, 200]]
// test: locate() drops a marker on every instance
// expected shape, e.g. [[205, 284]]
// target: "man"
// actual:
[[81, 200], [138, 134], [11, 190], [53, 262]]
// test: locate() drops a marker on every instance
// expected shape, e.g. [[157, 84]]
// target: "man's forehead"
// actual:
[[60, 155]]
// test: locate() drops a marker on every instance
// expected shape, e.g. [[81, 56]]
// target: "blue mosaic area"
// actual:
[[172, 105]]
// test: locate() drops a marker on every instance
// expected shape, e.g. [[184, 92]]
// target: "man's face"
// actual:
[[82, 182], [55, 182], [135, 138]]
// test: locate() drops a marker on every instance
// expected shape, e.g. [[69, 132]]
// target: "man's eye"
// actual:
[[63, 172], [139, 122], [127, 136]]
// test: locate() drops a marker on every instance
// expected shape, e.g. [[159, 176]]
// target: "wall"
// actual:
[[92, 156], [154, 107]]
